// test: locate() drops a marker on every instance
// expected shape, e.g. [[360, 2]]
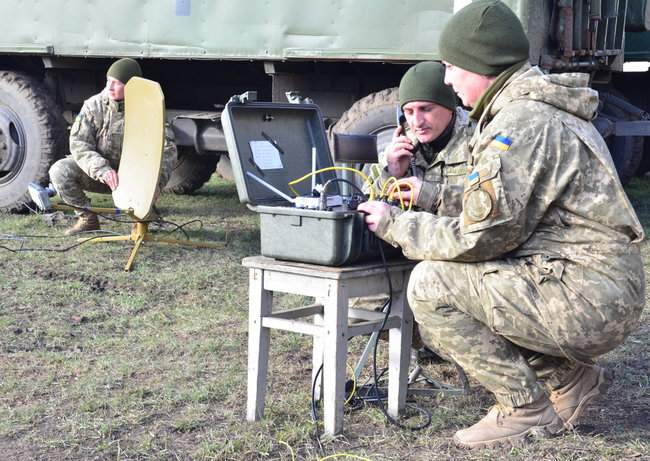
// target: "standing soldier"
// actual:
[[542, 271], [96, 147]]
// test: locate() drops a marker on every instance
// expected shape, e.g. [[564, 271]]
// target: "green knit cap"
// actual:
[[485, 37], [123, 69], [426, 82]]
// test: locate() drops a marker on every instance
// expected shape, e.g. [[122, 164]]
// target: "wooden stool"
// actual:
[[332, 287]]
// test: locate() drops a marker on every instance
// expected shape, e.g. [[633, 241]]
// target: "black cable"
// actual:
[[380, 401], [53, 250], [350, 183], [110, 217], [103, 215], [182, 226], [374, 388], [31, 236], [314, 413]]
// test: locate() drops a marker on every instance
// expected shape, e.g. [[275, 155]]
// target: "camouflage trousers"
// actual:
[[519, 326], [70, 182]]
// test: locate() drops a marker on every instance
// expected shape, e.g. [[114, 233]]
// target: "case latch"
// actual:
[[249, 96]]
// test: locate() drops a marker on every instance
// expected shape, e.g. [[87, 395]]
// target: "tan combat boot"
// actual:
[[585, 385], [506, 425], [85, 222]]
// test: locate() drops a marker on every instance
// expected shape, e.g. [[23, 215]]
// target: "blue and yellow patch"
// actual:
[[473, 178], [501, 142]]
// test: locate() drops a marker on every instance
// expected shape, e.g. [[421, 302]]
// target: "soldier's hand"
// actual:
[[374, 211], [110, 179], [399, 153], [408, 189]]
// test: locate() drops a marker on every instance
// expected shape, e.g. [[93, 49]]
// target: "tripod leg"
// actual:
[[138, 235]]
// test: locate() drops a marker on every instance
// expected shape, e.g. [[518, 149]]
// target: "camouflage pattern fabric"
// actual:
[[542, 269], [443, 177], [95, 148]]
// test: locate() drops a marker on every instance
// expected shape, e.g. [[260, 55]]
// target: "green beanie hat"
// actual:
[[426, 82], [124, 69], [485, 37]]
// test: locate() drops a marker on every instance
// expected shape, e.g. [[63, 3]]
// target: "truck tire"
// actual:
[[32, 137], [627, 151], [191, 171], [373, 114]]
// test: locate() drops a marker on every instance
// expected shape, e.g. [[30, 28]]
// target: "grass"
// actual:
[[99, 364]]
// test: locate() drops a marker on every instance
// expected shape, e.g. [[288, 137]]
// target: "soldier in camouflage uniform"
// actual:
[[437, 142], [96, 147], [541, 272]]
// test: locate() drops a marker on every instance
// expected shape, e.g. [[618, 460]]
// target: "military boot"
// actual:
[[506, 425], [85, 222], [583, 387]]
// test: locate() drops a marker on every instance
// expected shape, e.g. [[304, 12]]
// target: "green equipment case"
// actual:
[[272, 144]]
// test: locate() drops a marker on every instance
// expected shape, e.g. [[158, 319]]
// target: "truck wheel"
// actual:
[[373, 114], [191, 171], [32, 136], [627, 151]]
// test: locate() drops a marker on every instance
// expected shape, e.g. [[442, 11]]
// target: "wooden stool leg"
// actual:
[[335, 343], [259, 305], [399, 353]]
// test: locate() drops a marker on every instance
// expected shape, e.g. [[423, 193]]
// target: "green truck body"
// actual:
[[346, 55]]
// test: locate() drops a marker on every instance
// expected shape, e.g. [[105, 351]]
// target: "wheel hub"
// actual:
[[12, 145]]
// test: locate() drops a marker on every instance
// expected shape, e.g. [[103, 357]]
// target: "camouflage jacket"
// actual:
[[443, 177], [96, 139], [542, 184]]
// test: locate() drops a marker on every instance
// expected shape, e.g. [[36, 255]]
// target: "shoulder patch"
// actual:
[[501, 142]]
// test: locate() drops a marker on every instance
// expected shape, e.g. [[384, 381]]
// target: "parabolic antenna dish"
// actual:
[[142, 149]]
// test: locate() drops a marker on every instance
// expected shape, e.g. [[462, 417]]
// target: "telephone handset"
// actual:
[[406, 131]]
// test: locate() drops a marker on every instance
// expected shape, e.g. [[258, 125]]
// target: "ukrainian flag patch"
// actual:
[[501, 142]]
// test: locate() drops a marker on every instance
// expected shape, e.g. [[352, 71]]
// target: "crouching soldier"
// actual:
[[96, 147], [541, 273]]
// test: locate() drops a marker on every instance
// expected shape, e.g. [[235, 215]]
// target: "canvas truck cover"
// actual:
[[359, 30]]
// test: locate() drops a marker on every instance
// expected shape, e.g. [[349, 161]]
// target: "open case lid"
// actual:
[[274, 141]]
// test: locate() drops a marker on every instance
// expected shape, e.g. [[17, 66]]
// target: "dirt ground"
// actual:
[[99, 364]]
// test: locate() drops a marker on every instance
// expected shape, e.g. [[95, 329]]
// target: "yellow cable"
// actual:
[[335, 168], [389, 181], [293, 456], [347, 455], [397, 186], [391, 191]]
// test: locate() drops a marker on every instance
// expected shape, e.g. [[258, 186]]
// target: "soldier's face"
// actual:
[[427, 120], [115, 89], [469, 86]]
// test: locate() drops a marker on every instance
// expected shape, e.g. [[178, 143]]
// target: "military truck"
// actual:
[[346, 55]]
